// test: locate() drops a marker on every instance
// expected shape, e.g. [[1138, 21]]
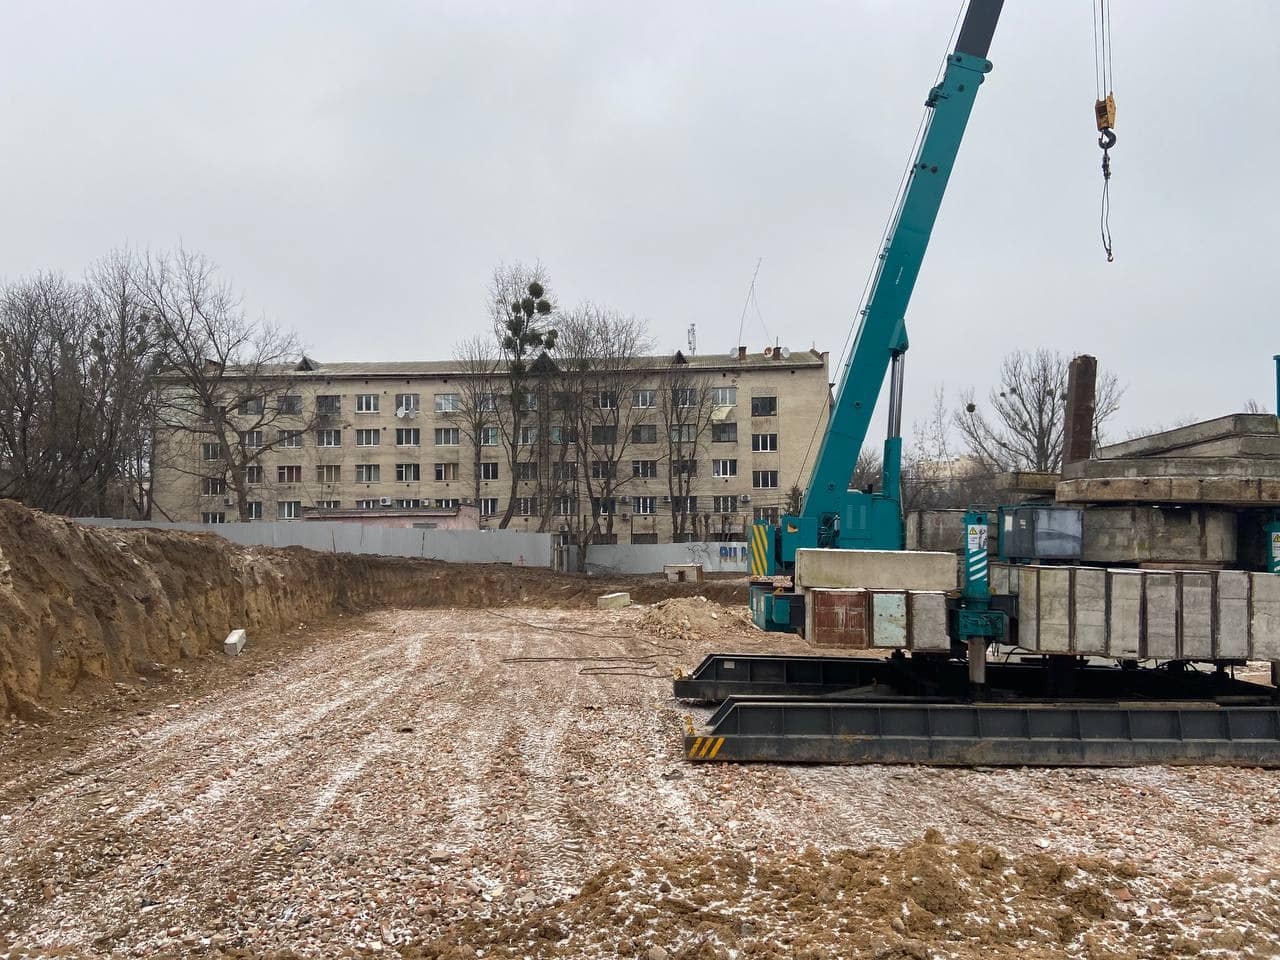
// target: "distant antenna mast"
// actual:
[[693, 339], [751, 292]]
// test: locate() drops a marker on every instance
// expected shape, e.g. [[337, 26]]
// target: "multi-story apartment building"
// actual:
[[398, 435]]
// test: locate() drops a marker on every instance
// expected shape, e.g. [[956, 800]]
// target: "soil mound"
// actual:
[[694, 618]]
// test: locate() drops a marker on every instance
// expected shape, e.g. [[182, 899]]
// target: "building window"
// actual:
[[764, 479], [724, 433], [684, 396], [644, 399], [487, 403], [329, 504], [566, 506], [328, 473], [602, 506], [603, 469], [368, 473], [560, 435], [566, 470], [765, 514], [250, 407], [645, 506], [447, 436], [447, 403], [251, 439], [289, 509], [366, 403], [408, 437], [607, 399], [528, 401], [328, 438], [685, 504], [288, 439], [213, 486], [644, 468], [684, 465], [368, 438], [727, 504], [446, 471], [253, 473], [407, 403], [526, 471], [764, 406], [488, 506], [489, 470], [412, 503], [366, 504], [488, 436], [604, 436], [328, 405], [289, 474], [527, 506], [289, 403], [682, 433], [724, 396], [724, 468], [254, 509], [213, 517], [644, 433], [408, 472], [764, 442], [639, 538], [528, 436], [210, 451]]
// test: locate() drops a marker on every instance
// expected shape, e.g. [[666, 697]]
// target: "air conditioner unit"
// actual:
[[386, 501], [745, 498], [228, 502]]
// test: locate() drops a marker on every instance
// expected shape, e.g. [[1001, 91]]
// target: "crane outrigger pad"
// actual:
[[988, 734]]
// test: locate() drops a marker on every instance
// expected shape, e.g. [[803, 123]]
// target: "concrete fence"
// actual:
[[454, 546], [651, 557]]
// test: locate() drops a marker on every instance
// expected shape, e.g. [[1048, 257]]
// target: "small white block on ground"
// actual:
[[234, 642], [612, 601], [876, 569], [683, 572]]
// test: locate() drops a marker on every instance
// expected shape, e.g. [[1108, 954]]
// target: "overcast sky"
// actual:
[[358, 170]]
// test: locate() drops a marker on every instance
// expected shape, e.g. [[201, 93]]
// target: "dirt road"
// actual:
[[402, 788]]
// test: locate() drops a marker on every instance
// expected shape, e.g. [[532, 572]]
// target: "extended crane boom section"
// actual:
[[832, 515]]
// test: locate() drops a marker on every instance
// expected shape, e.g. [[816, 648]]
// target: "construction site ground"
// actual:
[[509, 783]]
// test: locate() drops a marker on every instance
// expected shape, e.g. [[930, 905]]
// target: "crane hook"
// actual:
[[1108, 139]]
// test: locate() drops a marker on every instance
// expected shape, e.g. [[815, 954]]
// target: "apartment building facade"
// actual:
[[395, 436]]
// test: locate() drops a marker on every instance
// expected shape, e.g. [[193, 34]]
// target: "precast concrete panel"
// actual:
[[876, 569], [1124, 618], [1160, 591], [1089, 598], [1054, 630], [929, 621], [1265, 619], [1196, 611], [1231, 636]]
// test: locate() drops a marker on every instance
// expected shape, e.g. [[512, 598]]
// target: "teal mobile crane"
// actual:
[[937, 707]]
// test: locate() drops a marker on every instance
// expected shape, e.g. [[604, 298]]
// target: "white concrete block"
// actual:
[[929, 621], [1124, 622], [1028, 611], [1264, 625], [1054, 585], [683, 572], [234, 643], [1232, 639], [1197, 616], [612, 601], [1089, 636], [889, 619], [1161, 639], [876, 569]]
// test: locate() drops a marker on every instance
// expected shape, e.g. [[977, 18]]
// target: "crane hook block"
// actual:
[[1104, 112]]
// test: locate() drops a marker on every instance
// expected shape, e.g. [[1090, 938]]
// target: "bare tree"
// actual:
[[224, 380], [1253, 406], [523, 311], [478, 389], [685, 411], [1024, 430], [599, 376]]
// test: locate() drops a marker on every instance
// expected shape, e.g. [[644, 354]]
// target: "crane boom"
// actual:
[[832, 515]]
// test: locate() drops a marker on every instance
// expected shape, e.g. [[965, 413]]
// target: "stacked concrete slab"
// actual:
[[1145, 614]]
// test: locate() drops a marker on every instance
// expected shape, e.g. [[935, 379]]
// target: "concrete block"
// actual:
[[876, 569], [1264, 625], [1054, 607], [1124, 619], [889, 619], [1003, 578], [612, 601], [1089, 598], [1161, 636], [1232, 638], [837, 618], [1028, 610], [1197, 616], [941, 530], [1132, 534], [683, 572], [234, 643], [928, 623]]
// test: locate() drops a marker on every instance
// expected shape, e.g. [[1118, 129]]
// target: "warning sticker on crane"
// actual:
[[977, 537]]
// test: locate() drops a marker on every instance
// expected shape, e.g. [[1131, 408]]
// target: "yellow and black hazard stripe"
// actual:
[[705, 748], [759, 550]]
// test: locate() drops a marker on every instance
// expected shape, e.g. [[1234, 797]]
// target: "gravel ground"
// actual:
[[398, 786]]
